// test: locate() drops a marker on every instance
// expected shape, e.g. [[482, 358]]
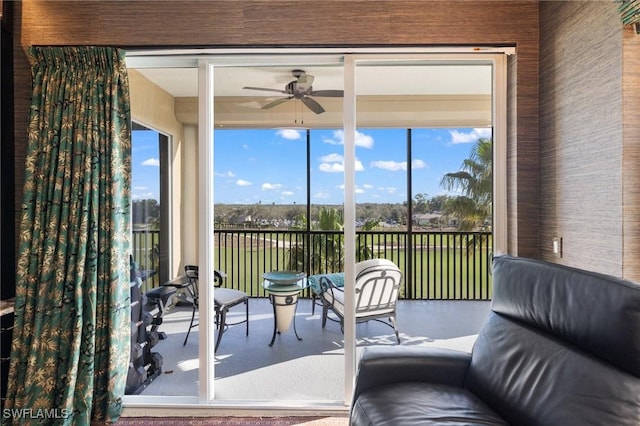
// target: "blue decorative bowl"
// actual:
[[283, 277]]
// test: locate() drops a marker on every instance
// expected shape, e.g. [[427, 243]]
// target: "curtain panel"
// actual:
[[70, 348]]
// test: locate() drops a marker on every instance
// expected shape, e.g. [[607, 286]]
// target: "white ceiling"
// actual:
[[371, 80], [401, 95]]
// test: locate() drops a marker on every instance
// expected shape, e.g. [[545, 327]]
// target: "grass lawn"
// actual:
[[436, 273]]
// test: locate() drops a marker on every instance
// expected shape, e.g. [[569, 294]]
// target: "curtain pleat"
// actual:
[[70, 349]]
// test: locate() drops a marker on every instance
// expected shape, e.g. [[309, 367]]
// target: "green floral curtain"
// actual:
[[70, 350], [630, 11]]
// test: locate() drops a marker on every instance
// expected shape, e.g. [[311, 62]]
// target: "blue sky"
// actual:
[[268, 166], [145, 165]]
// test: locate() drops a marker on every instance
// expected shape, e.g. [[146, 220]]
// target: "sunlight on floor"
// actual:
[[189, 364]]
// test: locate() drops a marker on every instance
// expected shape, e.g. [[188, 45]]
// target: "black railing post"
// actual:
[[408, 276]]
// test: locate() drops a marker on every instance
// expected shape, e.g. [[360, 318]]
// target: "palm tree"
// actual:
[[325, 251], [475, 181]]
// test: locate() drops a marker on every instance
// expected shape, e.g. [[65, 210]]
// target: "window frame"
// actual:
[[206, 62]]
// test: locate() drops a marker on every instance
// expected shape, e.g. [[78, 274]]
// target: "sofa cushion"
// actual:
[[557, 347], [595, 312], [531, 377], [413, 403]]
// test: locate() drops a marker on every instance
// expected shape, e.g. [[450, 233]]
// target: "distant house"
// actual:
[[426, 219]]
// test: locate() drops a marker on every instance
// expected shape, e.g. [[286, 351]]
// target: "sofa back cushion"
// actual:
[[561, 346]]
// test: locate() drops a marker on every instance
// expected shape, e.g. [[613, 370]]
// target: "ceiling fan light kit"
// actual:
[[301, 89]]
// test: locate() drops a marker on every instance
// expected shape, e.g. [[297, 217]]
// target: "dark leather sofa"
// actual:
[[560, 347]]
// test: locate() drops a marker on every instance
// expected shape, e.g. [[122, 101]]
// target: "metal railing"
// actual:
[[436, 265], [145, 251]]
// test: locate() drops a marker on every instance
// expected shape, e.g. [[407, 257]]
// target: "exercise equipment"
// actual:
[[147, 311], [137, 350]]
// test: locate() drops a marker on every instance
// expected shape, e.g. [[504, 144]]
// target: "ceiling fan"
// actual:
[[301, 89]]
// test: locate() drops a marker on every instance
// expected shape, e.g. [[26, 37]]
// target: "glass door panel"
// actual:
[[278, 174], [418, 121]]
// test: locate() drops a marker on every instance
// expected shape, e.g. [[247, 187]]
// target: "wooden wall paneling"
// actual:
[[631, 153], [581, 134], [7, 154], [278, 23], [525, 182]]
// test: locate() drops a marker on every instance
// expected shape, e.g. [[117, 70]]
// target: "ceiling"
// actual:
[[400, 95]]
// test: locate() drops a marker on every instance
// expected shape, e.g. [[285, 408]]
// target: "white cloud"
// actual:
[[470, 137], [241, 182], [418, 164], [367, 186], [287, 193], [339, 167], [331, 158], [140, 188], [395, 166], [332, 167], [151, 162], [143, 196], [229, 174], [388, 189], [290, 134], [268, 186], [334, 163], [362, 140], [322, 195]]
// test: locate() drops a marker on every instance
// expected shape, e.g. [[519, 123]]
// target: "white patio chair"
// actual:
[[376, 292]]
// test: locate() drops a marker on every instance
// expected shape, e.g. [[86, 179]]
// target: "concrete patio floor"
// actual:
[[246, 368]]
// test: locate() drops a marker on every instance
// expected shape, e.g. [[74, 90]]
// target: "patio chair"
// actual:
[[376, 289], [224, 299]]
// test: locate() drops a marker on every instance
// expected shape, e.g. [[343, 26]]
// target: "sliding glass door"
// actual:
[[314, 162]]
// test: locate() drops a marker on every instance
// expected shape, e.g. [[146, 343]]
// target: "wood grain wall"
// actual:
[[589, 175], [631, 154], [319, 23]]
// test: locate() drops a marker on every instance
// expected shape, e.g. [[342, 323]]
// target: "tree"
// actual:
[[420, 203], [324, 251], [146, 212], [437, 203], [475, 181]]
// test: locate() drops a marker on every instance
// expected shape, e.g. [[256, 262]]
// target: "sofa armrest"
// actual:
[[381, 365]]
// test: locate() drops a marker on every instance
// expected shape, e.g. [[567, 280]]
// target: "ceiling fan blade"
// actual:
[[264, 89], [328, 93], [312, 105], [276, 102]]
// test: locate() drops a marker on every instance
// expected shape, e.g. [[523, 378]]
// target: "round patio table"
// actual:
[[284, 299]]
